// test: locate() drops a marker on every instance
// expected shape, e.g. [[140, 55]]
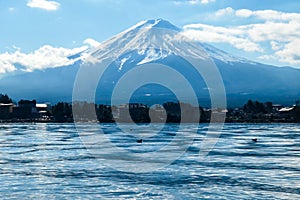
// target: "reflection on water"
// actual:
[[42, 161]]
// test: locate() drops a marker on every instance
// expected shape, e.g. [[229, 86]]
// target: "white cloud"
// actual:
[[275, 45], [91, 42], [278, 29], [206, 1], [243, 13], [45, 57], [215, 34], [270, 15], [224, 11], [193, 2], [43, 4], [6, 66], [290, 53]]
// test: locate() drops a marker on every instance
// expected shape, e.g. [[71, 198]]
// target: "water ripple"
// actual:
[[49, 161]]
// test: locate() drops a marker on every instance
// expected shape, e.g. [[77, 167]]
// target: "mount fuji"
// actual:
[[152, 41]]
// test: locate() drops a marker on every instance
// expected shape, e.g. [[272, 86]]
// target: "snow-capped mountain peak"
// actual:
[[158, 38], [154, 23], [154, 39]]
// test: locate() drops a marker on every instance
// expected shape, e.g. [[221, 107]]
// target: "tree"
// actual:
[[62, 112], [5, 99], [254, 107]]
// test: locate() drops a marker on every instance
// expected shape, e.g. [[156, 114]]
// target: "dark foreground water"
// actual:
[[49, 161]]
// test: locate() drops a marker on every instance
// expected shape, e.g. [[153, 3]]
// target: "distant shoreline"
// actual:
[[29, 111], [54, 122]]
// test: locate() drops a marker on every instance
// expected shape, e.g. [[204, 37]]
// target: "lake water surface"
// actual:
[[49, 161]]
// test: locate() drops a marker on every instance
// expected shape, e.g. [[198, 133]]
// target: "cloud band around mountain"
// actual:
[[44, 57], [273, 34]]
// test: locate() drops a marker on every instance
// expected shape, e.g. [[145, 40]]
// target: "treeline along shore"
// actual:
[[170, 112]]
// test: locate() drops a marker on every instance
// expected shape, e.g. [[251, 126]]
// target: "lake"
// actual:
[[53, 161]]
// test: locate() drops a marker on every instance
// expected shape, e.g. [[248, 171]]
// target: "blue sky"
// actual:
[[31, 30]]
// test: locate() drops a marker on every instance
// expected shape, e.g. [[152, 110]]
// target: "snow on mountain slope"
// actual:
[[157, 39], [217, 54]]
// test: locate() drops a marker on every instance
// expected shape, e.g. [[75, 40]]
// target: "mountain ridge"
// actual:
[[243, 78]]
